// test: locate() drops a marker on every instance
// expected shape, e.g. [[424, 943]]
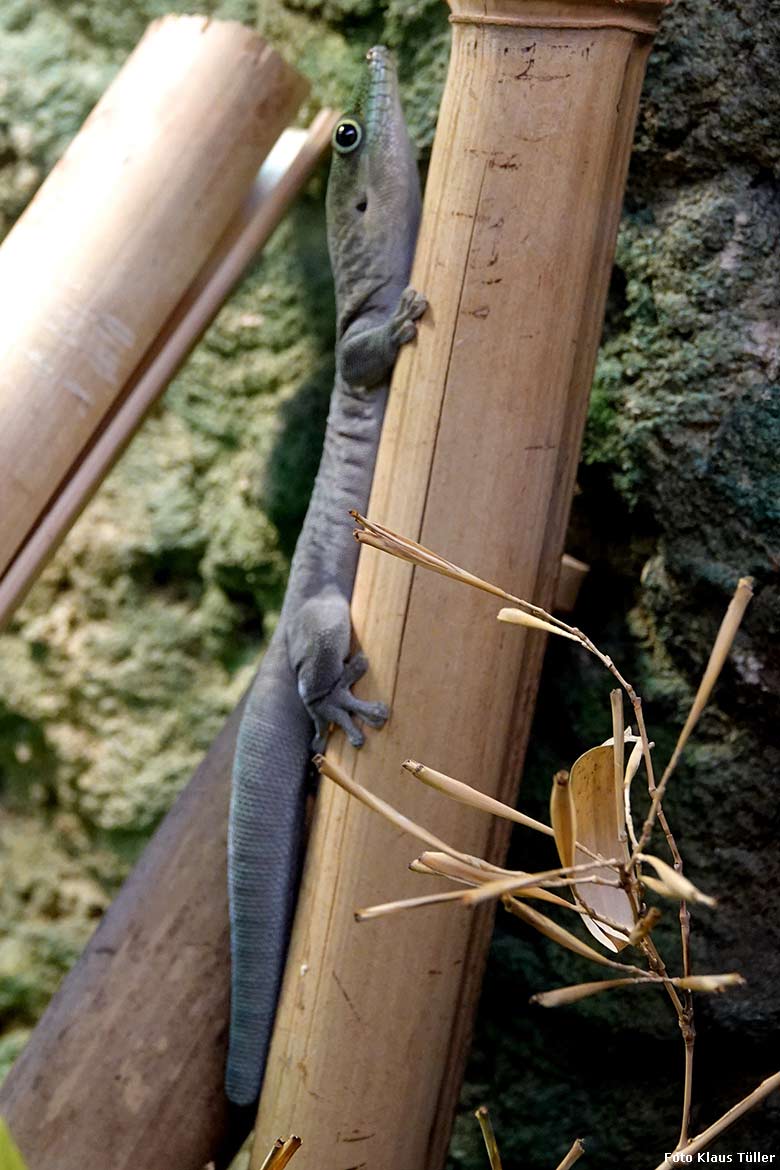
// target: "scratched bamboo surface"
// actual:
[[477, 461], [278, 183], [117, 232]]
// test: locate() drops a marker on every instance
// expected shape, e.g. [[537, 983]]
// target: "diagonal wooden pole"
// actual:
[[112, 241], [279, 181], [477, 461]]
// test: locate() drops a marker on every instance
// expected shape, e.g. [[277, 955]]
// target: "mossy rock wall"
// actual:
[[143, 632]]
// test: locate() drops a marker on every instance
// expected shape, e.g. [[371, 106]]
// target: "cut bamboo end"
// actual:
[[571, 579], [116, 234]]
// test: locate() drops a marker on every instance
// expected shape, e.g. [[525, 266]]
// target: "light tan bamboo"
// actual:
[[286, 170], [116, 234], [570, 581], [477, 461]]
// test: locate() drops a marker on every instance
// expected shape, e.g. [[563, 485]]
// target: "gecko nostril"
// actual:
[[362, 204]]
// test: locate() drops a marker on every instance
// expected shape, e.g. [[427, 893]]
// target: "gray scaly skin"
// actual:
[[304, 682]]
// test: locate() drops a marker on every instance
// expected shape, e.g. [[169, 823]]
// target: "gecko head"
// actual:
[[373, 202]]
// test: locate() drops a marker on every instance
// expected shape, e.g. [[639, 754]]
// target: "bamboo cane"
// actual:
[[117, 233], [286, 170], [477, 461]]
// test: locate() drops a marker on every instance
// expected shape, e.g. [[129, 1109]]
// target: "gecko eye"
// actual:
[[347, 136]]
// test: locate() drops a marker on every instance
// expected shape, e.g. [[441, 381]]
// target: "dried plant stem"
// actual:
[[567, 995], [485, 1124], [385, 908], [657, 964], [564, 938], [517, 882], [465, 794], [522, 885], [390, 542], [336, 773], [703, 1139], [683, 1007], [442, 865], [720, 649], [688, 1040], [282, 1153], [574, 1155]]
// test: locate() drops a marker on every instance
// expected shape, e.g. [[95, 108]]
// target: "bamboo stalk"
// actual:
[[477, 460], [288, 166], [115, 236]]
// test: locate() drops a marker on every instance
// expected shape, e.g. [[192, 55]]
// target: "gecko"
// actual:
[[304, 683]]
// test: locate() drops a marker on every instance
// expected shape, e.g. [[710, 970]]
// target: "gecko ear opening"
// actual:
[[361, 204]]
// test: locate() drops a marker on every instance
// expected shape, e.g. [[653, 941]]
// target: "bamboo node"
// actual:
[[629, 21]]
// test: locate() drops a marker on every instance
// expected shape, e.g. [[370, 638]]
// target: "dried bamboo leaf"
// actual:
[[562, 996], [563, 816], [555, 933], [659, 887], [672, 884], [645, 925], [714, 983], [518, 617], [336, 773], [391, 542], [519, 885], [598, 800], [458, 790], [719, 653], [442, 865], [385, 908], [632, 767], [472, 869]]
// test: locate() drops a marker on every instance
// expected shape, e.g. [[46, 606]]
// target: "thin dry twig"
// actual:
[[707, 1136], [564, 938], [485, 1124], [561, 996], [669, 881], [281, 1153], [518, 881], [465, 794], [723, 642], [574, 1155]]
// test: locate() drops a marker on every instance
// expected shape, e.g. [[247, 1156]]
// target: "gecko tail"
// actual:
[[264, 856]]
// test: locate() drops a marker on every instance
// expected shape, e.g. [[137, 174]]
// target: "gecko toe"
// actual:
[[412, 304], [354, 669], [374, 714]]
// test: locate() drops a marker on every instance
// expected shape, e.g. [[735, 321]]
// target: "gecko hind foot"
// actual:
[[339, 705]]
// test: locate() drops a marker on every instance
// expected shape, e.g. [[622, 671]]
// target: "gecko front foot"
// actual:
[[340, 705], [411, 307], [366, 355]]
